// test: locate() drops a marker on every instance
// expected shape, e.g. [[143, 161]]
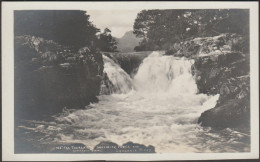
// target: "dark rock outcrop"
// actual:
[[221, 67], [233, 106], [49, 76]]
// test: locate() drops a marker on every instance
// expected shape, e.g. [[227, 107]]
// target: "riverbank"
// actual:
[[221, 67], [50, 77]]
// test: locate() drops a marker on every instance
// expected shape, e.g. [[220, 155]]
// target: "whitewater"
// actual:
[[159, 106]]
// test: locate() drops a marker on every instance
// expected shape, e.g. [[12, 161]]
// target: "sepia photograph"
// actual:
[[132, 81]]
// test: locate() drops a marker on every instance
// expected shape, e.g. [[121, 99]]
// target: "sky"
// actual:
[[118, 21]]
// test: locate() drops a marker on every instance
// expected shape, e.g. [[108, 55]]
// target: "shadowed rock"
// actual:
[[49, 76]]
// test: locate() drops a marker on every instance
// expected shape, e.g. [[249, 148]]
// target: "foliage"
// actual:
[[160, 29], [67, 27], [106, 42]]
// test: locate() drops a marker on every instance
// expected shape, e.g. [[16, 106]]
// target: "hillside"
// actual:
[[128, 42]]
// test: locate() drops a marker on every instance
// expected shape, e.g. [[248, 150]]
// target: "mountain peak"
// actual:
[[128, 42]]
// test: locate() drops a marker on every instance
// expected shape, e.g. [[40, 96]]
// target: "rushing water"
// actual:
[[159, 107]]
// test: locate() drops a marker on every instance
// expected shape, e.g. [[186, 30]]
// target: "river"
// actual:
[[159, 106]]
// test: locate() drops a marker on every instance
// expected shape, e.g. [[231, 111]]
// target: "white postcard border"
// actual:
[[8, 77]]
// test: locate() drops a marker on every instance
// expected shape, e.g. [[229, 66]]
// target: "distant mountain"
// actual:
[[128, 42]]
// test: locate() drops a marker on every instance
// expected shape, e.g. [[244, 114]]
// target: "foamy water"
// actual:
[[159, 107]]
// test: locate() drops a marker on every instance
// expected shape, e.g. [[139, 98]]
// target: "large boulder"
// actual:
[[233, 106], [233, 113]]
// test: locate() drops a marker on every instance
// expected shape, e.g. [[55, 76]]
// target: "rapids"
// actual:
[[159, 106]]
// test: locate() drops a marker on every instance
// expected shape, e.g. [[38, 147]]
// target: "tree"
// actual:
[[144, 20], [157, 27], [106, 42], [160, 29], [68, 27]]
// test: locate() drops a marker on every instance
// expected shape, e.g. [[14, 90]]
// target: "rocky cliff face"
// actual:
[[49, 76], [221, 67]]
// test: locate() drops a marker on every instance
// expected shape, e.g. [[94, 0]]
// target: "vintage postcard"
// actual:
[[130, 80]]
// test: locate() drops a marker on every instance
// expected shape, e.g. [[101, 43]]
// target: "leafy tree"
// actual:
[[162, 28], [158, 27], [106, 42], [144, 21], [214, 22], [68, 27]]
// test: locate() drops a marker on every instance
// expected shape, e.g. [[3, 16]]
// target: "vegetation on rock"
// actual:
[[49, 76], [106, 42], [58, 62], [160, 29]]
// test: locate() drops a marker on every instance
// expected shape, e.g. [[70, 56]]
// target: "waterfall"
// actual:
[[166, 75], [121, 81]]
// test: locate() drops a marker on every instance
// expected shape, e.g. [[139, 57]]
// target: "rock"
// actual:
[[224, 43], [84, 51], [224, 90], [71, 59], [214, 73], [46, 80], [35, 59], [226, 48], [221, 67], [228, 76], [234, 113]]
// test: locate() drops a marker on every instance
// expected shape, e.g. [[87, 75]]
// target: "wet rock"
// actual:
[[106, 86], [221, 67], [228, 76], [232, 113]]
